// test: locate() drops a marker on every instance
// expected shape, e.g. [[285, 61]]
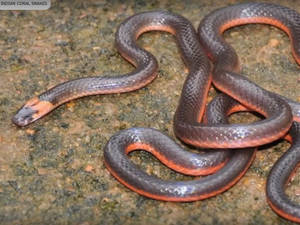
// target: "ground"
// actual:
[[52, 172]]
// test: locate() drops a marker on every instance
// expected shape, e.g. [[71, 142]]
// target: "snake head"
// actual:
[[31, 111]]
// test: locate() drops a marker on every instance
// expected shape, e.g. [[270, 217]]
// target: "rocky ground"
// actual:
[[52, 171]]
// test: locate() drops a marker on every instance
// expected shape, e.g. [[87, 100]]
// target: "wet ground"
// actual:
[[52, 171]]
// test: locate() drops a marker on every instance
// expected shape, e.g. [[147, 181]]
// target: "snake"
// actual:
[[232, 147], [226, 66]]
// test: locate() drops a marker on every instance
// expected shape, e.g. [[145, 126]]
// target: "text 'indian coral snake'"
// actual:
[[224, 167]]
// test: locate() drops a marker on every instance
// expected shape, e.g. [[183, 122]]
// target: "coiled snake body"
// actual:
[[190, 124]]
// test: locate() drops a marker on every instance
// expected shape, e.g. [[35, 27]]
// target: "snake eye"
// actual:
[[24, 116]]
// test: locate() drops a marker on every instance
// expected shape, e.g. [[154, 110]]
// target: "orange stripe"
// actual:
[[179, 199], [283, 213], [261, 20], [170, 164]]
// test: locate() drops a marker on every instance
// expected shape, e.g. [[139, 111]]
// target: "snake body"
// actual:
[[211, 130]]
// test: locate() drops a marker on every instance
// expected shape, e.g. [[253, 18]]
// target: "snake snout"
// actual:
[[32, 110], [24, 116]]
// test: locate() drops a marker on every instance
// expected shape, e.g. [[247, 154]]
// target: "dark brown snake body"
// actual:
[[227, 166]]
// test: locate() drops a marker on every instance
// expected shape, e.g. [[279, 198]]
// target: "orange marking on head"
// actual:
[[41, 107], [31, 102]]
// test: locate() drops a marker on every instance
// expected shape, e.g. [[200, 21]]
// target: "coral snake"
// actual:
[[195, 124]]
